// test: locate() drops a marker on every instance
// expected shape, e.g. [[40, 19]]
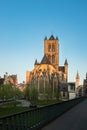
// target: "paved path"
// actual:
[[24, 103], [74, 119]]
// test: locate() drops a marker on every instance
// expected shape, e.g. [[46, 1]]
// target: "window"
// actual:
[[63, 94], [53, 47], [49, 47], [49, 57], [71, 87], [53, 59]]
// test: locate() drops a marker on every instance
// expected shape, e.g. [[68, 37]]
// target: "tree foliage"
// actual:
[[7, 92], [31, 93], [27, 92], [48, 92]]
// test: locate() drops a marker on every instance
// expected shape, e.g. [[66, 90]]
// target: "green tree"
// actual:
[[27, 92], [6, 92], [57, 94], [48, 93], [33, 93], [18, 93]]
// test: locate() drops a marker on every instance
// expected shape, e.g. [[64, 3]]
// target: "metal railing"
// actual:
[[36, 118]]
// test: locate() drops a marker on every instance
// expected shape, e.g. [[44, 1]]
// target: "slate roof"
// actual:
[[45, 60], [62, 68]]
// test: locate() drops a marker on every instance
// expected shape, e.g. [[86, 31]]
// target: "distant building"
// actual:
[[71, 90], [48, 72], [1, 81], [64, 91], [85, 85], [11, 79], [67, 90], [80, 92], [21, 86], [85, 81], [79, 89]]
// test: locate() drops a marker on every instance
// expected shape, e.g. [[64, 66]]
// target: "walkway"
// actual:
[[24, 103], [74, 119]]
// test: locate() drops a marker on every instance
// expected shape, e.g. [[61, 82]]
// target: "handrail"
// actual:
[[37, 117]]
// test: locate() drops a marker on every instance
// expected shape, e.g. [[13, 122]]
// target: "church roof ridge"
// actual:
[[45, 60]]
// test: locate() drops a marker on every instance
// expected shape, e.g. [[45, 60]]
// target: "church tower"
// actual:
[[51, 50], [77, 79]]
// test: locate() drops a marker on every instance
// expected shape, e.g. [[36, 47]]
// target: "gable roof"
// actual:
[[45, 60]]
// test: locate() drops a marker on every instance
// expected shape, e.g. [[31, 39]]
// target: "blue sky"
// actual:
[[25, 23]]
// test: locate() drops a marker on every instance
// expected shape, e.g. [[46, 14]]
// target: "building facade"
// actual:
[[48, 72], [11, 79], [85, 86]]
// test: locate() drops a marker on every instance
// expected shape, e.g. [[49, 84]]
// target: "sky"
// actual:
[[24, 25]]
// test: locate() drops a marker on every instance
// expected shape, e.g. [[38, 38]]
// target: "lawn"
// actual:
[[11, 108], [44, 102]]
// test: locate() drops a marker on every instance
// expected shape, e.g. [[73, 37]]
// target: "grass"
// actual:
[[11, 108], [44, 102], [10, 104], [35, 117]]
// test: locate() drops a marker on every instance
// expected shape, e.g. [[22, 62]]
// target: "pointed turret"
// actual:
[[52, 38], [66, 69], [66, 63], [35, 61], [45, 38], [57, 38]]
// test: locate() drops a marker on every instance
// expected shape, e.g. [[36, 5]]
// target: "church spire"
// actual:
[[77, 75], [77, 79]]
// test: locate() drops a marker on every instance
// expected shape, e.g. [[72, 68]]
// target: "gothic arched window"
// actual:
[[49, 47], [53, 47], [49, 57]]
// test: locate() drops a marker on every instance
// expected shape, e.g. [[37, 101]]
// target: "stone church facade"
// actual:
[[48, 73]]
